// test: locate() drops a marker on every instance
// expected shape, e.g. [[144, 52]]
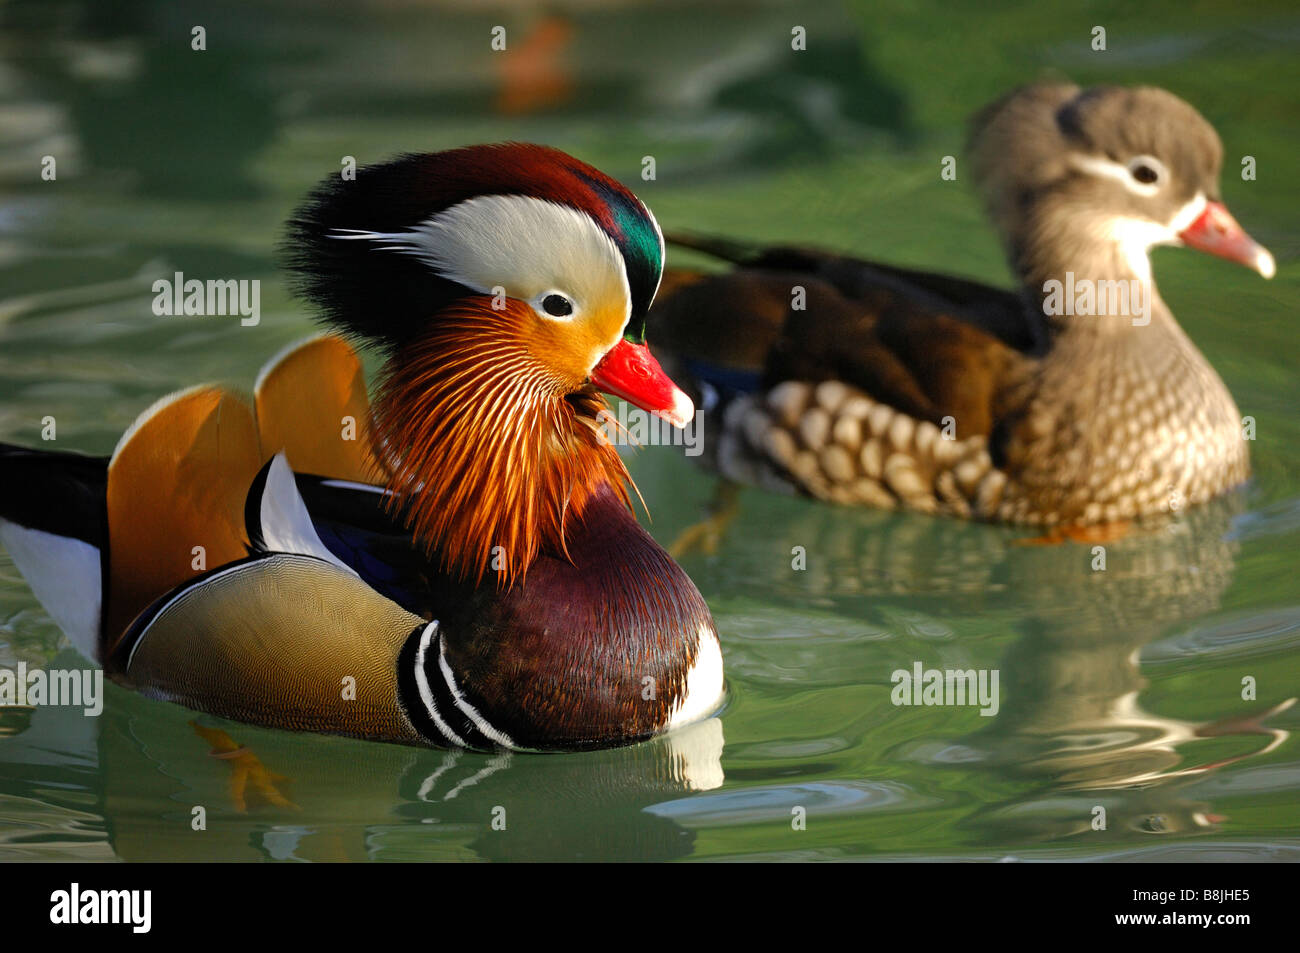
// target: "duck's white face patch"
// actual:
[[1137, 236], [529, 247]]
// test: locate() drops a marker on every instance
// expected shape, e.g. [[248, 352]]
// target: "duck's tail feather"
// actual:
[[54, 525]]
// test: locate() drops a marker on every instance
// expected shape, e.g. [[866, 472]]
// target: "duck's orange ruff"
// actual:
[[485, 448]]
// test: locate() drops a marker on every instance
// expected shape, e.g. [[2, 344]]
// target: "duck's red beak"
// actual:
[[631, 372], [1217, 232]]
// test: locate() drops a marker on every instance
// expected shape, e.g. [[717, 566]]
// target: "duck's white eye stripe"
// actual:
[[528, 246], [1109, 169]]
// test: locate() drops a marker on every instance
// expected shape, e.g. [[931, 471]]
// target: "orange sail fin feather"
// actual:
[[180, 476], [486, 450], [176, 489], [311, 403]]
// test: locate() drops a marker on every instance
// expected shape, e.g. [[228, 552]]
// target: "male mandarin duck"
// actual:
[[471, 574], [898, 388]]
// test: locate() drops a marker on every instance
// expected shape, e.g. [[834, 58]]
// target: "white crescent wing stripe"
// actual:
[[458, 699], [426, 693]]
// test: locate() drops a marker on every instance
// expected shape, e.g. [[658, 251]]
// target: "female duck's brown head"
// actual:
[[1092, 179], [508, 286]]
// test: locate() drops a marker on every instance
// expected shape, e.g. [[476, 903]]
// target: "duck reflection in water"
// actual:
[[1076, 725], [280, 795]]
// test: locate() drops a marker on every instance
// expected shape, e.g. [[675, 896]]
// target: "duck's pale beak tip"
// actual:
[[630, 371], [1216, 232], [1264, 262], [682, 411]]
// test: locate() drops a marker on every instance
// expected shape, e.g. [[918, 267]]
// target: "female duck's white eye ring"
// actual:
[[1142, 175], [1148, 172], [555, 305]]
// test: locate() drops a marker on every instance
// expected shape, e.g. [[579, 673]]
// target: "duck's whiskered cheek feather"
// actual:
[[630, 371], [487, 460]]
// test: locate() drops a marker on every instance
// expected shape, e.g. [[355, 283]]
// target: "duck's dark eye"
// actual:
[[1144, 173], [557, 306]]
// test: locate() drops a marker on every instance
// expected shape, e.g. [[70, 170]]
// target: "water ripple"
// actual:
[[1238, 636], [776, 803]]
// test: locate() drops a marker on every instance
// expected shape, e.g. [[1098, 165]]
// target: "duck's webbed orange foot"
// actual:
[[246, 771], [1092, 533], [706, 536]]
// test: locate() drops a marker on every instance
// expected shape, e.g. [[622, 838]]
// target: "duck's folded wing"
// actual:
[[777, 326], [994, 310]]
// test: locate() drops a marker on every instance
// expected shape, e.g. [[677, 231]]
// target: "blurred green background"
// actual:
[[1120, 689]]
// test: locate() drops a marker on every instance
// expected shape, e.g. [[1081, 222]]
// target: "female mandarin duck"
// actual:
[[471, 575], [896, 388]]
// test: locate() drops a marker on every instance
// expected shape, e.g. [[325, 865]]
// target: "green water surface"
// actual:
[[1120, 690]]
